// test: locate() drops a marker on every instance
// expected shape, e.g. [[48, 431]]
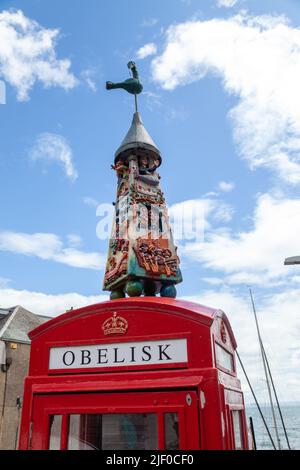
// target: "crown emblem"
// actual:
[[115, 324]]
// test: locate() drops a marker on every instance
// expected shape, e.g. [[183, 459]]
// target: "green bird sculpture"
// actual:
[[131, 85]]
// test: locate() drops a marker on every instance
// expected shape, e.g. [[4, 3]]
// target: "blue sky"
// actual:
[[222, 103]]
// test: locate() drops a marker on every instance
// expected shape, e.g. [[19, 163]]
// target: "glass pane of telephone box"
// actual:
[[171, 431], [113, 432], [54, 432], [237, 430]]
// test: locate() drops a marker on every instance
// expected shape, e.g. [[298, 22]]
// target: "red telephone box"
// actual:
[[135, 373]]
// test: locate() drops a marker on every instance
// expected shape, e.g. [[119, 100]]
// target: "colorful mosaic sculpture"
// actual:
[[142, 257]]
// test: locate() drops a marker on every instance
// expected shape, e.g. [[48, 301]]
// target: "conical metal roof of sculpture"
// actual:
[[137, 138]]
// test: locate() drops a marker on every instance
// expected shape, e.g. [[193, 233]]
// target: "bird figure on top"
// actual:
[[131, 85]]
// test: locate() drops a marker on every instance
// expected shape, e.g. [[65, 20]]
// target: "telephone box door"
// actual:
[[116, 421]]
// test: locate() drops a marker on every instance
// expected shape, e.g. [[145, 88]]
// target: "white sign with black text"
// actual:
[[119, 354]]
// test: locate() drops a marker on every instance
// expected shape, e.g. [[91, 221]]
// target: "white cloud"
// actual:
[[226, 187], [4, 282], [258, 61], [90, 201], [176, 114], [145, 51], [2, 92], [211, 194], [255, 255], [226, 3], [46, 304], [153, 100], [27, 55], [88, 76], [191, 218], [74, 239], [54, 148], [48, 246], [214, 281], [149, 22]]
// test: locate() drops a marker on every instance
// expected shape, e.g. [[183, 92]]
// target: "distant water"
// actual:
[[291, 416]]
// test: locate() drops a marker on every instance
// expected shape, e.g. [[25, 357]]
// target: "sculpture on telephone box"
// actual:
[[142, 257]]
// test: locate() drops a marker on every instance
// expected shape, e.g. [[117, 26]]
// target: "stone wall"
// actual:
[[11, 386]]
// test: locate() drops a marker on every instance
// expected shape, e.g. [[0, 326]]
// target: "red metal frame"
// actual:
[[100, 403], [215, 389]]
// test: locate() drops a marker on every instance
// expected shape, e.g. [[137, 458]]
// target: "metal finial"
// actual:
[[136, 103]]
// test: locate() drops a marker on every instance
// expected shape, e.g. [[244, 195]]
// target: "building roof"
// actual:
[[4, 314], [16, 322], [137, 138]]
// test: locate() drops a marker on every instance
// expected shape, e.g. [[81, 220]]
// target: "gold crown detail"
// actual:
[[115, 324]]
